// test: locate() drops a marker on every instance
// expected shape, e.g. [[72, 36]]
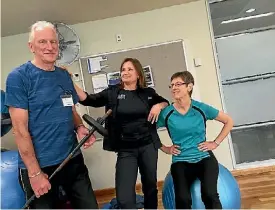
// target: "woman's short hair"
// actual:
[[186, 77]]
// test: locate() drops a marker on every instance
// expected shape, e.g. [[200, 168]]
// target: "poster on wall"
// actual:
[[94, 64], [99, 82], [113, 78], [148, 76]]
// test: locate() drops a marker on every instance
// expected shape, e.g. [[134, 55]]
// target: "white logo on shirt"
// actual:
[[121, 96], [149, 98]]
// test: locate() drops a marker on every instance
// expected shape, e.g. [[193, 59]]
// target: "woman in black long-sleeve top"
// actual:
[[132, 132]]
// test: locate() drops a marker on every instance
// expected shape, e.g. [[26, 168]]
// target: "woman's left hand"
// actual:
[[154, 113], [207, 145]]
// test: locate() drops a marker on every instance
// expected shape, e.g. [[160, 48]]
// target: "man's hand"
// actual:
[[82, 131], [40, 184]]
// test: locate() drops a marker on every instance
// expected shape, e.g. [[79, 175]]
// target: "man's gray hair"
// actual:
[[40, 25]]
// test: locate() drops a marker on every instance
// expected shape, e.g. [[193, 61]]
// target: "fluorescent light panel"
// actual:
[[248, 17], [250, 10]]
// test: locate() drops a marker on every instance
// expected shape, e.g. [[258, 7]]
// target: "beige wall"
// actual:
[[188, 22]]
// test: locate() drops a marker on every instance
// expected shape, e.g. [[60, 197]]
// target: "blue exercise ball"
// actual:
[[228, 189], [114, 203], [106, 206], [12, 195]]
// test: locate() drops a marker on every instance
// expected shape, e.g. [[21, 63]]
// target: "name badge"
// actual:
[[67, 100]]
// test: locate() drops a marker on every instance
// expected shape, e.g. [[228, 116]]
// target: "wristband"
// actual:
[[35, 175]]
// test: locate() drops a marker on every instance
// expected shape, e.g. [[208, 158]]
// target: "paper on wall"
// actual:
[[113, 78], [99, 82], [148, 76], [94, 64]]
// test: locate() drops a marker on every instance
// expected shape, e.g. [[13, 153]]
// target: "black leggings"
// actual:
[[128, 161], [185, 173]]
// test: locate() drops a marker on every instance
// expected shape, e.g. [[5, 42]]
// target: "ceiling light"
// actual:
[[247, 18], [250, 10]]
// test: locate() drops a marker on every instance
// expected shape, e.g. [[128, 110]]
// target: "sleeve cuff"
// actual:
[[158, 144], [84, 102]]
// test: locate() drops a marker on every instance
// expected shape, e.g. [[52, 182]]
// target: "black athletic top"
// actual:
[[127, 126], [132, 117]]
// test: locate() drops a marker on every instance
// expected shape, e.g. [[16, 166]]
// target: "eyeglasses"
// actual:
[[178, 84]]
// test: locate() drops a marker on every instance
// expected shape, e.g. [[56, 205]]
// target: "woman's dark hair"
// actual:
[[186, 77], [138, 67]]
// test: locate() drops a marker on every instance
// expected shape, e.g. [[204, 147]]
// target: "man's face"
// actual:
[[45, 45]]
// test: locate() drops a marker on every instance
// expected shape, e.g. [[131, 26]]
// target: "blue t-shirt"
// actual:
[[188, 130], [50, 123]]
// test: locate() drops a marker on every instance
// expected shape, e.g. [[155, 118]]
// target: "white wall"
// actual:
[[188, 22]]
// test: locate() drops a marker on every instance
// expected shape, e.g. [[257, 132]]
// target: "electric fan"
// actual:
[[69, 44]]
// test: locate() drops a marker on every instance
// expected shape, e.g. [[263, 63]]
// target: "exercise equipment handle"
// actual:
[[5, 122], [5, 119], [97, 124], [101, 121]]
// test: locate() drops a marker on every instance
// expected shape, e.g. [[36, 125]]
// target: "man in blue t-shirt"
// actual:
[[41, 100]]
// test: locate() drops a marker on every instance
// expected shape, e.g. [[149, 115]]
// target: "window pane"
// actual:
[[251, 102], [248, 54], [254, 144]]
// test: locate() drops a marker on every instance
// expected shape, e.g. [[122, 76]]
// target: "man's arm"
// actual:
[[17, 100], [23, 140], [81, 130], [77, 119]]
